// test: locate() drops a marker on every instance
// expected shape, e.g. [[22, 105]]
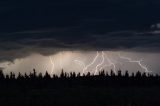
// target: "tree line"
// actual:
[[104, 78]]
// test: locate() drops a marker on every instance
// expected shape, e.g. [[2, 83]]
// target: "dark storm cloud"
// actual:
[[45, 27]]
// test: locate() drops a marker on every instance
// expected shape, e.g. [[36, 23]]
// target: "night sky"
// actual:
[[34, 32]]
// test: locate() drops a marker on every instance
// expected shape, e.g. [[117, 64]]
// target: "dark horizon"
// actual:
[[74, 89], [68, 74]]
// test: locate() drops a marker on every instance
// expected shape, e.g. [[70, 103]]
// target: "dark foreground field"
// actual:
[[105, 89], [82, 96]]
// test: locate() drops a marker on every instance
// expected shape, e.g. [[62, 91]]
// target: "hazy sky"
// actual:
[[32, 31]]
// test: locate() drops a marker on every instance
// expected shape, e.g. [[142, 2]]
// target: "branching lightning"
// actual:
[[86, 67], [53, 65], [138, 62], [83, 64], [99, 63], [80, 63], [110, 64]]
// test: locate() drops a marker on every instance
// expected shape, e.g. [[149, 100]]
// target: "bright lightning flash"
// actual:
[[80, 63], [53, 66], [99, 63], [138, 62], [83, 64], [91, 63], [110, 64]]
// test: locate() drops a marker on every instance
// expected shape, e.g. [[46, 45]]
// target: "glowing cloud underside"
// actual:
[[98, 68], [98, 62]]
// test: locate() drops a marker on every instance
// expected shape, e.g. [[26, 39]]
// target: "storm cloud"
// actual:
[[46, 27]]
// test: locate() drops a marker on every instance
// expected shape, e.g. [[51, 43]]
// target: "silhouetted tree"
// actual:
[[132, 75], [72, 74], [7, 76], [47, 76], [112, 73], [31, 76], [34, 73], [1, 75], [79, 74], [55, 76], [19, 76], [88, 74], [144, 75], [126, 74], [38, 80], [12, 75], [40, 76], [62, 74], [106, 74], [119, 73], [26, 76], [138, 74]]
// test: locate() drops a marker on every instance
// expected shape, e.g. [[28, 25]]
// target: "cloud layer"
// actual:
[[46, 27]]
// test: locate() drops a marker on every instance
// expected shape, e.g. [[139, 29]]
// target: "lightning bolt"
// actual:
[[60, 60], [110, 64], [80, 63], [138, 62], [53, 66], [85, 67], [99, 63], [91, 62]]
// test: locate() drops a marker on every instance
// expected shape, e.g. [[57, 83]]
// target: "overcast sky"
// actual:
[[31, 28]]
